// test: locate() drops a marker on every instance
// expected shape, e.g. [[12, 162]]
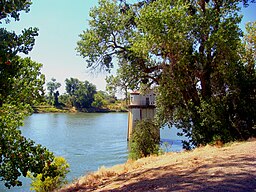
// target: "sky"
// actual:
[[60, 23]]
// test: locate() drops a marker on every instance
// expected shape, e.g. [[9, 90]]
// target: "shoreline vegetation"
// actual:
[[53, 109], [229, 167]]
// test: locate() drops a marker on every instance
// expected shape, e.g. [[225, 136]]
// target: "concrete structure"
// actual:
[[141, 107]]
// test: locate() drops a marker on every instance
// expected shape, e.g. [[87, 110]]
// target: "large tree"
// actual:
[[21, 85], [192, 50]]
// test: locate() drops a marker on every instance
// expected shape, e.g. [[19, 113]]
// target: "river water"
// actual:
[[86, 140]]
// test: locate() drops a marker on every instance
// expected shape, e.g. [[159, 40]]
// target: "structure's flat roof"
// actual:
[[135, 93], [141, 106]]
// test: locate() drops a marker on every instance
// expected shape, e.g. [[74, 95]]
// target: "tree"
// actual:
[[81, 93], [64, 99], [191, 50], [11, 44], [202, 86], [21, 81], [72, 85], [12, 9], [52, 87], [100, 99], [21, 85], [111, 86], [250, 44], [122, 82]]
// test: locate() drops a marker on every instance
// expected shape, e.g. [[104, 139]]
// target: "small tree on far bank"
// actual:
[[145, 140], [45, 182], [52, 87], [81, 93]]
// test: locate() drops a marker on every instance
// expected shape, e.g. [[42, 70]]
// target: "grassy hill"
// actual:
[[228, 168]]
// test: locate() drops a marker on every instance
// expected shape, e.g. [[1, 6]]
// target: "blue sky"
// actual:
[[60, 22]]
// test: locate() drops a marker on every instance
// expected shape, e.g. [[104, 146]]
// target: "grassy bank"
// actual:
[[52, 109], [228, 168], [49, 109]]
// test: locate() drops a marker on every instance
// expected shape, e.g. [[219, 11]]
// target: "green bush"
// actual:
[[145, 140], [45, 181]]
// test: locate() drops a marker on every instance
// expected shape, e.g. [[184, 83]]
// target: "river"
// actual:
[[87, 140]]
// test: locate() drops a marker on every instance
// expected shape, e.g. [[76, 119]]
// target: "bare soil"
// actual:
[[210, 168]]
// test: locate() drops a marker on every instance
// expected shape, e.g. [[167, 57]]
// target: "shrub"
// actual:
[[45, 182], [145, 140]]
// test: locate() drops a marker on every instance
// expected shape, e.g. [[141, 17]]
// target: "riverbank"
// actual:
[[210, 168], [52, 109]]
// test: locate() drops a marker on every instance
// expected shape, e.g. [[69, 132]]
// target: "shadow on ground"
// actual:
[[218, 176], [224, 173]]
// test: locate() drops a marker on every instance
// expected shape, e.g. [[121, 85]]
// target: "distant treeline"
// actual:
[[82, 95]]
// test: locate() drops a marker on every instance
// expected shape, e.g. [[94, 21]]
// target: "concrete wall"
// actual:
[[135, 99], [141, 107], [138, 99], [137, 114]]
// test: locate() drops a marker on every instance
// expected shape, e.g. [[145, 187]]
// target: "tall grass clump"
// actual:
[[145, 140]]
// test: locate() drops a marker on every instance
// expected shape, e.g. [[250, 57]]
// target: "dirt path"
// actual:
[[231, 168]]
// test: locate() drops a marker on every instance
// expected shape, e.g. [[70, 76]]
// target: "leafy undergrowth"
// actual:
[[210, 168]]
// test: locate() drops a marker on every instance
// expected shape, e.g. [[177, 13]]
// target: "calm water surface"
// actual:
[[87, 140]]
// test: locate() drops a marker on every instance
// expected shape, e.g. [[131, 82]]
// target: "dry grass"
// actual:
[[209, 168], [92, 179]]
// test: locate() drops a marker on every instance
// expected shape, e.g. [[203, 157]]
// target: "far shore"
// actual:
[[52, 109]]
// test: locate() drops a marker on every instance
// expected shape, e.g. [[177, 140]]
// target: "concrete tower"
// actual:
[[141, 107]]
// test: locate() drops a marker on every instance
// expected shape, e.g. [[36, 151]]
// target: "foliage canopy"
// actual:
[[192, 50], [44, 182], [81, 93], [21, 85]]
